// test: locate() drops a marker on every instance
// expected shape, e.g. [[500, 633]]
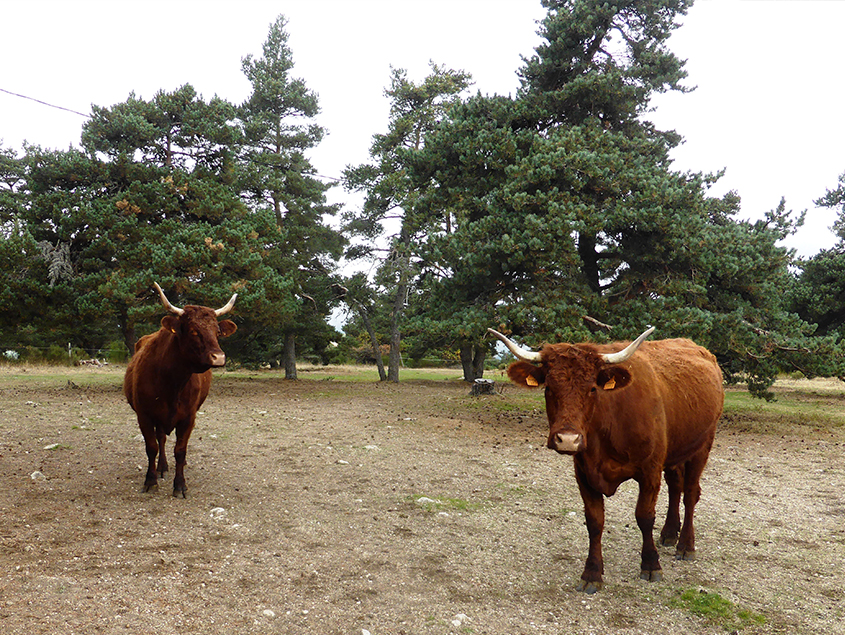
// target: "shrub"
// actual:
[[117, 352]]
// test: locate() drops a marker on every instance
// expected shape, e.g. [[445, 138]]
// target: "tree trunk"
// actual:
[[590, 260], [365, 317], [402, 263], [395, 357], [128, 331], [472, 361], [290, 355], [478, 360], [466, 362]]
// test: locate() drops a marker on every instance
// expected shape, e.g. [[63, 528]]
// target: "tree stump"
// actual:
[[483, 387]]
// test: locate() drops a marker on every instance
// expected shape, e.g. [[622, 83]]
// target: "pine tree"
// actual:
[[275, 175]]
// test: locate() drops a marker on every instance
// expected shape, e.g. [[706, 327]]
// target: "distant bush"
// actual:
[[117, 353], [56, 355]]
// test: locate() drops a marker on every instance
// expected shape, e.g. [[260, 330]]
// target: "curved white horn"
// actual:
[[228, 307], [623, 355], [166, 302], [522, 353]]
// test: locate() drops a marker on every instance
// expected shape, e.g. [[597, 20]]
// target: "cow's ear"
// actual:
[[613, 378], [525, 374], [226, 327], [171, 323]]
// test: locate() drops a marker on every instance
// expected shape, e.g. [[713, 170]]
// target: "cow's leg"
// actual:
[[162, 456], [685, 549], [645, 513], [672, 527], [180, 451], [591, 578], [151, 445]]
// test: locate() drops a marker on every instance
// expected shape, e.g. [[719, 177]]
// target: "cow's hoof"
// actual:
[[683, 554], [652, 576], [668, 541], [150, 485], [180, 492], [589, 587]]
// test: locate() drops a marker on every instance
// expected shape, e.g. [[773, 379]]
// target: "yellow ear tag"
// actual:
[[611, 384], [529, 379], [172, 330]]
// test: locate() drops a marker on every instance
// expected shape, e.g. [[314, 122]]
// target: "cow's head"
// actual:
[[197, 331], [573, 376]]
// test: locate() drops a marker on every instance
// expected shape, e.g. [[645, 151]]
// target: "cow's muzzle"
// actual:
[[217, 359], [566, 442]]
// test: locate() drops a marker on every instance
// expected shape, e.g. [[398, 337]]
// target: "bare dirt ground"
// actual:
[[338, 507]]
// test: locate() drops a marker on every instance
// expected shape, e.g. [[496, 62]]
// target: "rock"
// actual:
[[459, 619], [268, 613], [37, 476], [218, 513]]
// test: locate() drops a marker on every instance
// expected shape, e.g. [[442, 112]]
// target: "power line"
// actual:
[[44, 103], [82, 114]]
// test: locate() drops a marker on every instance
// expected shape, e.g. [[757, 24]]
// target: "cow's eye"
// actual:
[[194, 332]]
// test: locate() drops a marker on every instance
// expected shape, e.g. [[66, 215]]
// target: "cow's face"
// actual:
[[197, 332], [575, 378]]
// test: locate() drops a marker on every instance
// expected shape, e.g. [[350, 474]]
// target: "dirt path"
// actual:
[[336, 507]]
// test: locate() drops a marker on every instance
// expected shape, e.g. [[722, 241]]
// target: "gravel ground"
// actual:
[[337, 507]]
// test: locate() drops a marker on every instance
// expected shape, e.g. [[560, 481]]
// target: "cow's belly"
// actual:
[[683, 445]]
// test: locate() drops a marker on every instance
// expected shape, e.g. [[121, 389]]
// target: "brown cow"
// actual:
[[629, 412], [168, 379]]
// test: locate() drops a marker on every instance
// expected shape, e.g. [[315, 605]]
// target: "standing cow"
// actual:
[[629, 412], [168, 379]]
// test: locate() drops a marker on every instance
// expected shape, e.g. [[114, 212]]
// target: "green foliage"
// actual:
[[559, 208], [818, 295], [117, 353], [602, 61]]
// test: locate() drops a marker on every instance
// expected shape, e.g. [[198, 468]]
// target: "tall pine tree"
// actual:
[[276, 175]]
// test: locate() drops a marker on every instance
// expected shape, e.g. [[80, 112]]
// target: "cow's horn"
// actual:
[[228, 306], [522, 353], [166, 302], [623, 355]]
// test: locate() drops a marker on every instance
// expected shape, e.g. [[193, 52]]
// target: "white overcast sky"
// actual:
[[768, 105]]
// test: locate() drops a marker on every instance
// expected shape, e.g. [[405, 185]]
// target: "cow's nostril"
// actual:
[[569, 442], [218, 359]]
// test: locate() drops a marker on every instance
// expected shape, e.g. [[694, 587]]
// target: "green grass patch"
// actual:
[[717, 610], [439, 504], [792, 411]]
